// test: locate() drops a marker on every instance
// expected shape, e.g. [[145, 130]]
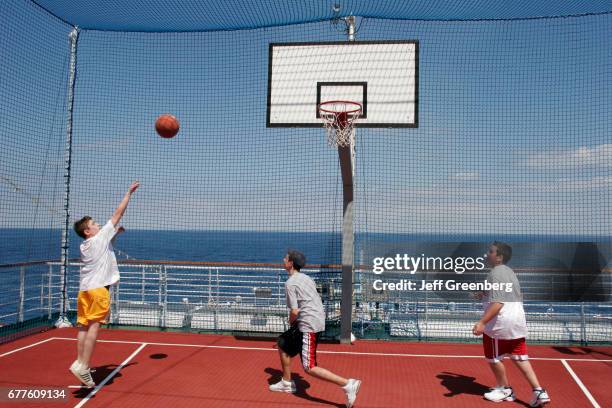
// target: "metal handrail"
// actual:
[[265, 265], [167, 291]]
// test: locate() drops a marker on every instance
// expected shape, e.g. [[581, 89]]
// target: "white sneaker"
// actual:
[[540, 398], [283, 386], [75, 366], [499, 394], [351, 389], [83, 375]]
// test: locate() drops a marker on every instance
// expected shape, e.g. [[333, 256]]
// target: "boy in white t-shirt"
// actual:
[[504, 328], [98, 272]]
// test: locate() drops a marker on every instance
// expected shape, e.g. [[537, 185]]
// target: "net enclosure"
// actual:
[[478, 121]]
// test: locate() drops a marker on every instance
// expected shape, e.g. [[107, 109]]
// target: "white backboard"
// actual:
[[381, 75]]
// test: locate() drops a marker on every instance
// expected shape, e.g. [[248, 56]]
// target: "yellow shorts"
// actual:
[[93, 306]]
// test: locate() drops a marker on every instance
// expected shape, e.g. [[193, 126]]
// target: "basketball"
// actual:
[[167, 126]]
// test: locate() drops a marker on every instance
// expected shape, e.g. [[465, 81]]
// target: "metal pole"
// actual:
[[426, 331], [42, 293], [209, 286], [74, 36], [583, 331], [21, 292], [280, 289], [142, 285], [50, 292], [217, 289], [165, 308], [116, 303], [159, 295], [164, 296], [346, 154], [350, 22]]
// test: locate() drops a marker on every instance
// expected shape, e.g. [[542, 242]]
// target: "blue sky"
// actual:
[[514, 131]]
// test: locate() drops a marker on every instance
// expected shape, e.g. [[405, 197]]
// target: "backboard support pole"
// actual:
[[346, 155]]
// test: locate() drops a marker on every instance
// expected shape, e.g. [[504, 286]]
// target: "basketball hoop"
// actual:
[[339, 121]]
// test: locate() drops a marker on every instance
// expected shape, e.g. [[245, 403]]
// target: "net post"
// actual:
[[74, 38]]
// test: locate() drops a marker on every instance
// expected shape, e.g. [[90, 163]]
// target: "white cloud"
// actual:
[[466, 176], [581, 157]]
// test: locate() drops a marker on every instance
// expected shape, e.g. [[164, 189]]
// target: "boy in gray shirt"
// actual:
[[307, 321], [504, 329]]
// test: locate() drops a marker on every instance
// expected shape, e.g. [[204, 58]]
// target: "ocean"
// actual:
[[565, 255], [539, 251]]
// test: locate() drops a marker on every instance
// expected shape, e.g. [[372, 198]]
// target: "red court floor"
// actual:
[[156, 369]]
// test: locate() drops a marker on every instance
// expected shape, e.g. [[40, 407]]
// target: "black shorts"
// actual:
[[294, 342], [291, 341]]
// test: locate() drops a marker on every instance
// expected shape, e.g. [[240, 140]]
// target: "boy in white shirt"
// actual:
[[504, 329], [98, 272]]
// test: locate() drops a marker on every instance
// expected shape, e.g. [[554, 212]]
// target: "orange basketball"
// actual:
[[167, 126]]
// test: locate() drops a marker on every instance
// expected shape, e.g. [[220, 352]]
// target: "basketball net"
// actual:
[[339, 121]]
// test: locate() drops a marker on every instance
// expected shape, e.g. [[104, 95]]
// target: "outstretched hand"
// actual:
[[124, 203], [134, 186]]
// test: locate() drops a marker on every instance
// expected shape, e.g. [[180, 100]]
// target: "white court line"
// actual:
[[108, 377], [580, 384], [26, 347], [352, 353]]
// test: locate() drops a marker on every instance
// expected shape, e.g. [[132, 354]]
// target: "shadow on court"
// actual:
[[462, 384], [99, 374], [301, 384]]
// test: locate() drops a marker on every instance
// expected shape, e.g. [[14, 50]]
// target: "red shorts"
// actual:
[[293, 341], [496, 349], [309, 350]]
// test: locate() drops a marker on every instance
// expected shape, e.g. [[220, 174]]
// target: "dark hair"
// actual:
[[504, 250], [298, 259], [81, 225]]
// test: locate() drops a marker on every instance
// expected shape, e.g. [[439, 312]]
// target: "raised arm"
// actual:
[[124, 203]]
